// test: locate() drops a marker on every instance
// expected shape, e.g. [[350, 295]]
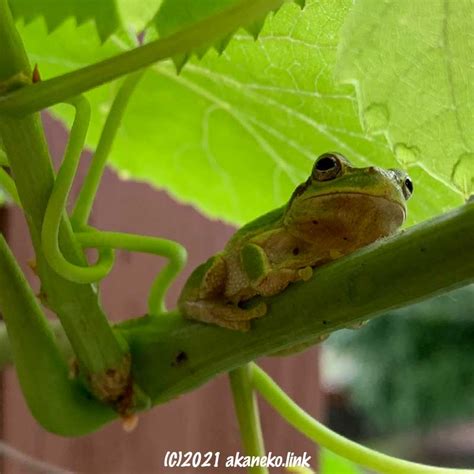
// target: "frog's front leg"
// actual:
[[265, 279], [206, 301]]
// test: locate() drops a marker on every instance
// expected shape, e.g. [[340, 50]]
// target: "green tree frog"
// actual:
[[337, 210]]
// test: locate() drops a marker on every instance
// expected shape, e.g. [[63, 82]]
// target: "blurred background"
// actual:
[[404, 382]]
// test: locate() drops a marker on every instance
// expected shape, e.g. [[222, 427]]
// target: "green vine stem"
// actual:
[[6, 356], [246, 408], [3, 158], [322, 435], [101, 354], [8, 185], [175, 252], [58, 402], [44, 94], [91, 183], [89, 237], [57, 203]]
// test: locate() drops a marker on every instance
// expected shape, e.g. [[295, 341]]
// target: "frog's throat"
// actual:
[[371, 195]]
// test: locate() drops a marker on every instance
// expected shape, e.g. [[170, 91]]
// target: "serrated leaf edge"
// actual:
[[221, 44]]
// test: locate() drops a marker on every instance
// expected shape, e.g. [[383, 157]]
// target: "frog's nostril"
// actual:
[[372, 169]]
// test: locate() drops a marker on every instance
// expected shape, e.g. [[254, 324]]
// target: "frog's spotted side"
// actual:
[[337, 210]]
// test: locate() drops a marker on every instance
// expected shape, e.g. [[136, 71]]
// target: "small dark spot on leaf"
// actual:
[[325, 322], [345, 238], [181, 358], [315, 222], [296, 251]]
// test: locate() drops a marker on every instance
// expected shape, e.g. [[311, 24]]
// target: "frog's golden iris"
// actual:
[[337, 210]]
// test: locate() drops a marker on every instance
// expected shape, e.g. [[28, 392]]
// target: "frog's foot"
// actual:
[[213, 281], [223, 314], [277, 280]]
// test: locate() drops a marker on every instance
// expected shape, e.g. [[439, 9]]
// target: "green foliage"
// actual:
[[104, 12], [269, 106], [411, 63], [177, 14], [426, 343]]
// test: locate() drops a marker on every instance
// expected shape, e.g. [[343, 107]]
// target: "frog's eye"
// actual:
[[407, 188], [327, 167]]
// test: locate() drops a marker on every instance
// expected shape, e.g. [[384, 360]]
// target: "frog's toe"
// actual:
[[258, 311], [305, 273], [241, 314], [243, 326], [223, 314]]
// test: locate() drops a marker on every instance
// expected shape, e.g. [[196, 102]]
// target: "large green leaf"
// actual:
[[412, 62], [233, 134], [104, 12], [110, 16], [177, 14]]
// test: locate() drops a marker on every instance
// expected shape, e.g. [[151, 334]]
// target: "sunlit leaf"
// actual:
[[234, 134], [103, 12], [177, 14], [412, 64]]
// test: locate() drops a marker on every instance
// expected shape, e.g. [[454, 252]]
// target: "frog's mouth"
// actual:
[[356, 218], [368, 196], [350, 212]]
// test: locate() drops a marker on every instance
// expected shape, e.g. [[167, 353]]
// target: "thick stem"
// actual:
[[246, 408], [94, 343], [58, 402]]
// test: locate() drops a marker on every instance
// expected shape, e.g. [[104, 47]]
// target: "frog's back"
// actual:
[[268, 221], [193, 284]]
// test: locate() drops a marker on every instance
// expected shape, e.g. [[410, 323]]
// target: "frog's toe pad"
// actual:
[[257, 311], [305, 273], [241, 314]]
